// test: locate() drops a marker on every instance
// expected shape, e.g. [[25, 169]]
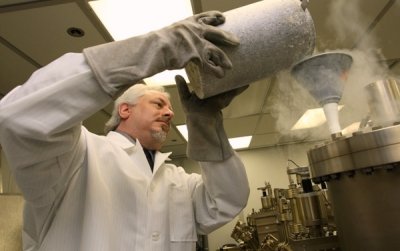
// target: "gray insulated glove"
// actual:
[[207, 137], [119, 64]]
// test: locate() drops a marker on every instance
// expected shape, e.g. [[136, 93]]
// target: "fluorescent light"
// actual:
[[312, 118], [166, 78], [351, 128], [240, 142], [129, 18], [236, 143], [183, 130]]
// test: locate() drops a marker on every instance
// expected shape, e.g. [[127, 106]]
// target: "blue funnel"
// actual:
[[322, 75]]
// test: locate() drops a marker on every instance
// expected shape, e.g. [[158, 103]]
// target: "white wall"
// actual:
[[262, 165], [7, 181], [11, 206]]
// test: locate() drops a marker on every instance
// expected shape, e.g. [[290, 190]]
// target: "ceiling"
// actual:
[[33, 33]]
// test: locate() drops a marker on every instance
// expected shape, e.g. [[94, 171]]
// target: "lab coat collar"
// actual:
[[121, 140], [127, 144]]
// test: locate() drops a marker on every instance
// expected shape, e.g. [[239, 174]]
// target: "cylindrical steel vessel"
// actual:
[[267, 202], [363, 178], [274, 34], [384, 102], [308, 206]]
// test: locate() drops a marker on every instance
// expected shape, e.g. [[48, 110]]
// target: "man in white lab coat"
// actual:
[[89, 192]]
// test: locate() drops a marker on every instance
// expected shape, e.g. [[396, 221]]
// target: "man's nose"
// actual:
[[168, 113]]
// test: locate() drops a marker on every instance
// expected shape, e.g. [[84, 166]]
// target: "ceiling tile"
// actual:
[[305, 135], [395, 70], [179, 115], [178, 151], [96, 122], [14, 2], [174, 137], [109, 108], [243, 126], [340, 24], [42, 32], [266, 124], [15, 70], [264, 140], [222, 5], [388, 42], [250, 101]]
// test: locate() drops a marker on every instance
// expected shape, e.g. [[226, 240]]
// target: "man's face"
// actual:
[[150, 117]]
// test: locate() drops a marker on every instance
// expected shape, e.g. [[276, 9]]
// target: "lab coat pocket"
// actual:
[[181, 216]]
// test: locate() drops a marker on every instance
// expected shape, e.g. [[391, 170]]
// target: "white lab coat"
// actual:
[[91, 193]]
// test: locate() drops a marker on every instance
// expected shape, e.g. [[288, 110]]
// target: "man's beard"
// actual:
[[160, 136]]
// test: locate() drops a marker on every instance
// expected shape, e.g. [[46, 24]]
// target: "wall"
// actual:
[[7, 181], [262, 165], [10, 222], [11, 207]]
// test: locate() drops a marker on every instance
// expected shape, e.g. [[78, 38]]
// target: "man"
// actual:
[[89, 192]]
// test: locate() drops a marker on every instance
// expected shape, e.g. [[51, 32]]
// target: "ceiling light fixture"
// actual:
[[351, 128], [236, 143], [129, 18], [312, 118], [183, 131], [75, 32], [240, 142]]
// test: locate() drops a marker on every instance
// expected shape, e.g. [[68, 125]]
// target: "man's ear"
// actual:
[[124, 110]]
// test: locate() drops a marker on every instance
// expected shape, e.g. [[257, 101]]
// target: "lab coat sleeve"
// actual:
[[221, 195], [40, 122]]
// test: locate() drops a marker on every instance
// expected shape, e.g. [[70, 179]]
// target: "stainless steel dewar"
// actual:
[[363, 176], [384, 102]]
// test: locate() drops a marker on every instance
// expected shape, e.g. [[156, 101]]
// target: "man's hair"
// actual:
[[130, 96]]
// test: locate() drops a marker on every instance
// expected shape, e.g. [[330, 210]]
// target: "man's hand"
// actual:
[[207, 137], [207, 107], [119, 64]]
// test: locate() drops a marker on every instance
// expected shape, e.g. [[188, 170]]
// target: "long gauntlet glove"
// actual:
[[207, 137], [119, 64]]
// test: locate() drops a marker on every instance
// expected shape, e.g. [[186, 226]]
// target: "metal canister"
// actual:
[[384, 102], [273, 35], [363, 176], [308, 206]]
